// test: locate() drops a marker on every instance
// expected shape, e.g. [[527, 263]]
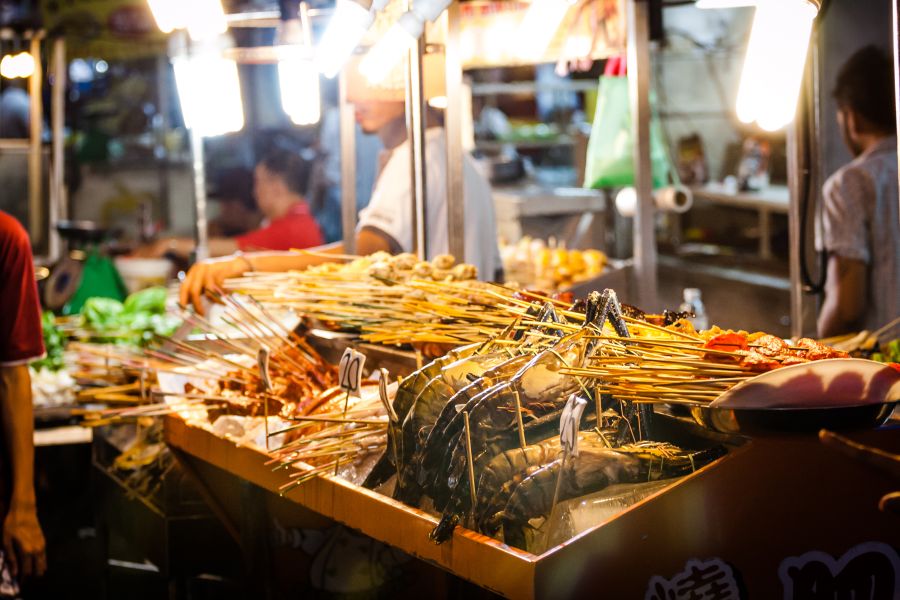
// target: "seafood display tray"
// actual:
[[768, 501]]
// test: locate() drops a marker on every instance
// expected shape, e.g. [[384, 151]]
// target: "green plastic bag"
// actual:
[[610, 151], [99, 278]]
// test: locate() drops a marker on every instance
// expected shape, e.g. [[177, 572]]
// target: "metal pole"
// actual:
[[201, 251], [802, 134], [415, 128], [456, 206], [815, 166], [35, 188], [793, 151], [896, 42], [348, 165], [162, 127], [639, 93], [58, 204], [180, 45]]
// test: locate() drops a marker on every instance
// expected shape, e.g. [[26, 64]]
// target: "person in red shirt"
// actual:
[[21, 341], [279, 184], [238, 213]]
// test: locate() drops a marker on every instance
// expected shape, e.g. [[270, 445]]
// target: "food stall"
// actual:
[[567, 438], [688, 527]]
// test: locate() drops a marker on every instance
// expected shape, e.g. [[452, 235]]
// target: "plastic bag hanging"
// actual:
[[610, 151]]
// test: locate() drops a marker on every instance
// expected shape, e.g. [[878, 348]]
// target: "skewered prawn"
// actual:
[[434, 406], [538, 389], [595, 468]]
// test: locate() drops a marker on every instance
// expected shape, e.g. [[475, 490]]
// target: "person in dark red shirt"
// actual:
[[21, 341], [279, 184]]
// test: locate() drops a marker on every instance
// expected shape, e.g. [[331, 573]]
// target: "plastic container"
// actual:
[[694, 303]]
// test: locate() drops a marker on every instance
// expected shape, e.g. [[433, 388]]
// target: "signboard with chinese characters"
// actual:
[[786, 518]]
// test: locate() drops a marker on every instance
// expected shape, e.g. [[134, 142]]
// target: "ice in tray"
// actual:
[[580, 514]]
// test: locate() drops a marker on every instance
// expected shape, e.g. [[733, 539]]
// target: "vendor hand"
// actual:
[[208, 275], [23, 543]]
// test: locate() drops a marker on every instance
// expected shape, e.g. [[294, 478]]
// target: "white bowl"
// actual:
[[140, 273]]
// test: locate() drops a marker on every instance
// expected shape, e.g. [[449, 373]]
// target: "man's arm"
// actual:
[[23, 541], [182, 247], [846, 289], [210, 274]]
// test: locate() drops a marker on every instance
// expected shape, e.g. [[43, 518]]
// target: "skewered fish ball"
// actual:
[[464, 271], [382, 270], [422, 270], [443, 261], [405, 261]]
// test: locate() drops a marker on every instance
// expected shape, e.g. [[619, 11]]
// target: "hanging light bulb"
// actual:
[[209, 91], [299, 81], [387, 53], [346, 28], [14, 66], [168, 15], [298, 76], [538, 27], [204, 19], [773, 68]]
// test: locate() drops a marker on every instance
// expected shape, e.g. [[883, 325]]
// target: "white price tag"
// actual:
[[568, 424], [350, 370], [262, 361]]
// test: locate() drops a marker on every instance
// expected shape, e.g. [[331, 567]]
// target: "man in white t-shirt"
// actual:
[[389, 213], [386, 224]]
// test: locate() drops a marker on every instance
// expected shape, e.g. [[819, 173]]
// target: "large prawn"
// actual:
[[403, 400], [421, 395], [434, 405], [539, 390], [596, 467]]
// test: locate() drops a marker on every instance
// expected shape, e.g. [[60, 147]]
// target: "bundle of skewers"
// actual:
[[343, 436], [691, 368], [663, 359], [249, 363], [390, 302], [480, 431], [220, 371]]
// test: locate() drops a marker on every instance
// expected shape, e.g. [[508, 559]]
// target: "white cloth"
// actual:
[[390, 209]]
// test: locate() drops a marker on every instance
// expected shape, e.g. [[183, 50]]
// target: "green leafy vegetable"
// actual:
[[54, 344], [889, 353], [102, 313], [133, 322], [150, 301]]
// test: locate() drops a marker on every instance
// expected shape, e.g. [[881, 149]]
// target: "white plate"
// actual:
[[832, 383]]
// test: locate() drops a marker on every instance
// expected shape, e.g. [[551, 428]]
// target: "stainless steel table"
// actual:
[[774, 199]]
